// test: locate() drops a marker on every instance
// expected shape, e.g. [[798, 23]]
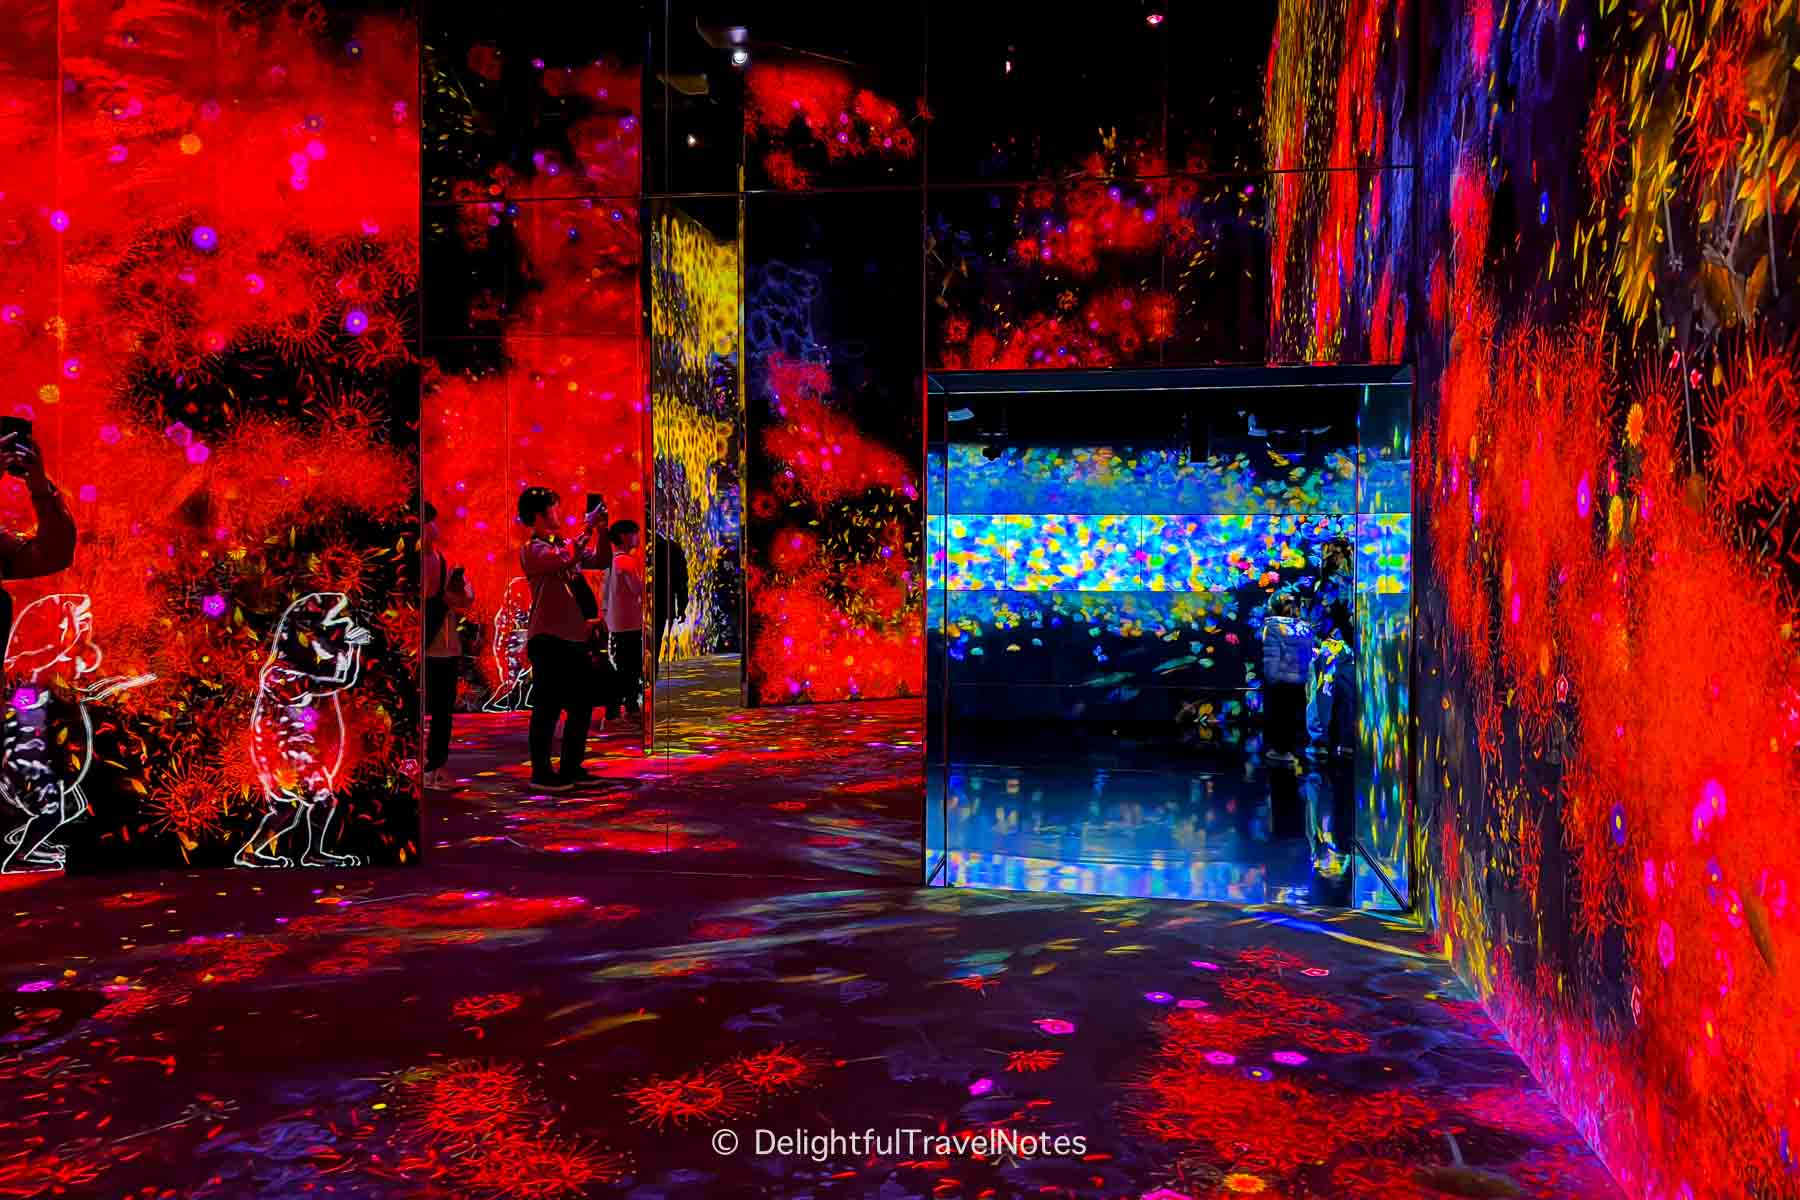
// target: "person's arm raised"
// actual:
[[52, 547]]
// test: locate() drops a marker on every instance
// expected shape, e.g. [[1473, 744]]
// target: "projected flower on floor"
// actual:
[[486, 1007], [518, 1167], [706, 1095], [779, 1069], [1032, 1060], [456, 1105]]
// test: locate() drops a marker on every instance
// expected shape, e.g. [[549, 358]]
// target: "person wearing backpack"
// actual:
[[564, 613], [447, 596], [1287, 660]]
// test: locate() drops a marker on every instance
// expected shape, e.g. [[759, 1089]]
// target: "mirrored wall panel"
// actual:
[[1170, 613]]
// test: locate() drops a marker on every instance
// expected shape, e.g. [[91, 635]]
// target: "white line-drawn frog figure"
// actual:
[[297, 728]]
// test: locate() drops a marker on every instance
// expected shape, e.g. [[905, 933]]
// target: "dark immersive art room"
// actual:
[[676, 599]]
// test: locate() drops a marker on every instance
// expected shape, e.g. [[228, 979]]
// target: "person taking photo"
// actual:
[[564, 611]]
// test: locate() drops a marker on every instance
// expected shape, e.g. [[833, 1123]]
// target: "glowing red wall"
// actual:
[[1610, 709], [208, 294], [535, 361]]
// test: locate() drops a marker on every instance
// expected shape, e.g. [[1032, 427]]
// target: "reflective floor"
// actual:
[[1097, 814], [572, 995], [813, 792], [1218, 825], [486, 1027]]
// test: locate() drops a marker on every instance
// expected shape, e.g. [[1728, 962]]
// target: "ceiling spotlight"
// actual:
[[1154, 16], [692, 140], [740, 57]]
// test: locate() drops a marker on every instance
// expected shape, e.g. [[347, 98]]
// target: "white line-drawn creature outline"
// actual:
[[54, 631], [297, 727], [512, 668]]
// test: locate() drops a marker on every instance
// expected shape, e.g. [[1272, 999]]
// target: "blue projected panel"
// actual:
[[1095, 479], [1114, 596]]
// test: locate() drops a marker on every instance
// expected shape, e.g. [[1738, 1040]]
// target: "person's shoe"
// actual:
[[548, 783], [431, 780], [581, 777]]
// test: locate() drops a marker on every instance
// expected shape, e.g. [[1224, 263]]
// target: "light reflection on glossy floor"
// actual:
[[570, 995], [506, 1029], [808, 792], [1231, 829], [841, 789]]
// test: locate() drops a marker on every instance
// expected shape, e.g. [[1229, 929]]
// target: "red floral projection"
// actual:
[[835, 601], [1611, 710], [801, 108], [558, 395], [1339, 226], [207, 299]]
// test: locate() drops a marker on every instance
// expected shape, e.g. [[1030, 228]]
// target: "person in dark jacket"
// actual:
[[1287, 662], [671, 589]]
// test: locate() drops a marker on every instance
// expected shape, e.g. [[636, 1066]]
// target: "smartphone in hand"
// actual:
[[16, 432]]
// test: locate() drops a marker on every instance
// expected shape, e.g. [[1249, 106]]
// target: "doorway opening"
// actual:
[[1169, 633]]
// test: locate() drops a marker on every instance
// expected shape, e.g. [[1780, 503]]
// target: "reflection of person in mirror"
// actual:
[[297, 727], [671, 591], [1330, 709], [625, 612], [28, 773], [447, 596]]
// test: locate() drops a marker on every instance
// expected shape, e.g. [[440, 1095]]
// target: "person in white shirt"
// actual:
[[624, 609]]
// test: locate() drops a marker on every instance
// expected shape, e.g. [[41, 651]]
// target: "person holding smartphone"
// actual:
[[447, 595], [51, 547], [564, 615]]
